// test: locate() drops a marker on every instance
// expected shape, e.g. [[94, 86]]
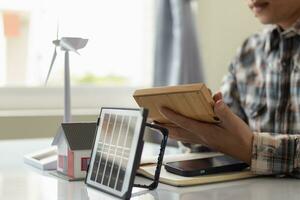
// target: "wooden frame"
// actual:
[[191, 100]]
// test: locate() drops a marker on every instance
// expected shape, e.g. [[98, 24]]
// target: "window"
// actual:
[[85, 161], [119, 51]]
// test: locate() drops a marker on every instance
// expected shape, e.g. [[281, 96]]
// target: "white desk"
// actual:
[[19, 181]]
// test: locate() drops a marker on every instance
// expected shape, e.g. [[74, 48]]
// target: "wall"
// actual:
[[223, 26]]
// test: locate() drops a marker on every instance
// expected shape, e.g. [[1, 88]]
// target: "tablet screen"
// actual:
[[205, 163], [204, 166]]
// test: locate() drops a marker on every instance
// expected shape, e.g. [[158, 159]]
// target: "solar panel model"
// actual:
[[117, 151]]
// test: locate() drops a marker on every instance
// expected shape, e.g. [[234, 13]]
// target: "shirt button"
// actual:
[[284, 63]]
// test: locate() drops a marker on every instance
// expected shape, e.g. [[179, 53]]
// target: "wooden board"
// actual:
[[191, 100]]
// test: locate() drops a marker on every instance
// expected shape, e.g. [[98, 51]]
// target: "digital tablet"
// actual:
[[191, 100], [205, 166]]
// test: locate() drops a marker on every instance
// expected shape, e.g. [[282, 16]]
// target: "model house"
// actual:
[[74, 144]]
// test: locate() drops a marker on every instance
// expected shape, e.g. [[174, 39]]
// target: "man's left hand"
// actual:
[[231, 136]]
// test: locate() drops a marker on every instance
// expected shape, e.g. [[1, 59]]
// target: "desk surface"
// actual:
[[19, 181]]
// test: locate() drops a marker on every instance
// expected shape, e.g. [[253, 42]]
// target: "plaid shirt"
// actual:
[[263, 88]]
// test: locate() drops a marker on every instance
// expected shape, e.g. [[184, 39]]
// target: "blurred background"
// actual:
[[129, 45]]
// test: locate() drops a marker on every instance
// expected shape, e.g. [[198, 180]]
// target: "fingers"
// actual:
[[226, 116], [182, 135], [187, 123], [174, 117], [217, 96]]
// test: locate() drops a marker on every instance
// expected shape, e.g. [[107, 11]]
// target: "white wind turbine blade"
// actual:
[[51, 65], [57, 30]]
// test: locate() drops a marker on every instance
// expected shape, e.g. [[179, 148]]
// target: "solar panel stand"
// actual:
[[163, 145]]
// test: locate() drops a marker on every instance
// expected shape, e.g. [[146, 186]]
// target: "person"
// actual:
[[259, 101]]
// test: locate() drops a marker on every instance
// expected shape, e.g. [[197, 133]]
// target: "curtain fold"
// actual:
[[177, 57]]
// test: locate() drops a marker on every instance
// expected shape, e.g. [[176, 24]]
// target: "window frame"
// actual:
[[52, 98]]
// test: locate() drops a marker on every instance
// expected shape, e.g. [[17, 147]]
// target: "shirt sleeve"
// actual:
[[276, 154]]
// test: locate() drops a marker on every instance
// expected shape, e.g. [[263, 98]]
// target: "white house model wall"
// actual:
[[81, 161]]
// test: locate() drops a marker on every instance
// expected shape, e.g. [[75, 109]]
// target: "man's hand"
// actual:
[[231, 136]]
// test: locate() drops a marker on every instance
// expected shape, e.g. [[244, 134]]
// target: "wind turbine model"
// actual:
[[67, 44], [47, 158]]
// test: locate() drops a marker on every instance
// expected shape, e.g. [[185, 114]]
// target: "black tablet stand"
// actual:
[[163, 144]]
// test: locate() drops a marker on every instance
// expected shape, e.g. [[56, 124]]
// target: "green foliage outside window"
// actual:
[[111, 80]]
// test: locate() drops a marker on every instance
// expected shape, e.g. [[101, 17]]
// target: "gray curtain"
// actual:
[[177, 56], [177, 59]]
